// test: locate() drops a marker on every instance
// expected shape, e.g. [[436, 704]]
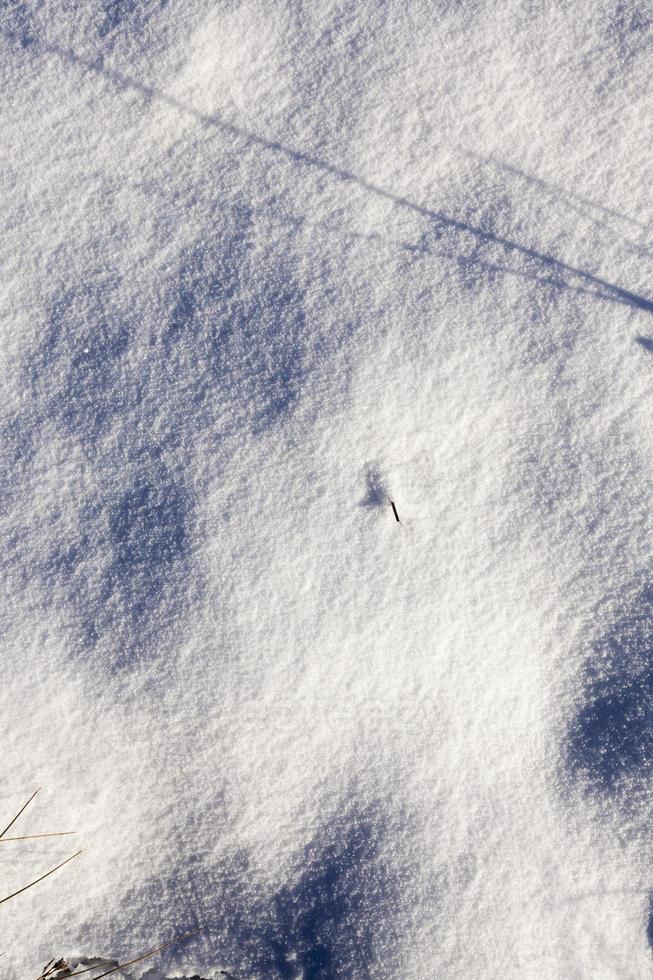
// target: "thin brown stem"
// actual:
[[47, 969], [12, 822], [144, 956], [36, 880], [62, 833]]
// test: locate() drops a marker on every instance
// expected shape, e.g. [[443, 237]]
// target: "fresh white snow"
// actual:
[[263, 268]]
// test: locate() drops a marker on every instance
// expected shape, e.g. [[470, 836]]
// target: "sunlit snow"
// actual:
[[264, 268]]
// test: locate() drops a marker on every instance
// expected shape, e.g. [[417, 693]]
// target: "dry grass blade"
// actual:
[[36, 880], [138, 959], [51, 968], [62, 833], [12, 822]]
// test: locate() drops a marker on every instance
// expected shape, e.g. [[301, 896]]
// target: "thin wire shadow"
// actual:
[[423, 248], [619, 294], [551, 281], [555, 190]]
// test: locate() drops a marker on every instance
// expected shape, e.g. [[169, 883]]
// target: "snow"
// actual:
[[266, 267]]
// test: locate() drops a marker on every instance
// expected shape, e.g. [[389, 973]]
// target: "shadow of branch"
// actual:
[[297, 156]]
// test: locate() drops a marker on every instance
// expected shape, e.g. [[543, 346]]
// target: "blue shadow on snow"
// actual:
[[610, 740]]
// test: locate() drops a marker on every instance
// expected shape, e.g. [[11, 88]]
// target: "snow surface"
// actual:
[[265, 266]]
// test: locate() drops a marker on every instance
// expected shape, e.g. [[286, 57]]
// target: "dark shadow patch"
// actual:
[[328, 923], [245, 323], [78, 373], [610, 741], [628, 37], [144, 588], [339, 914], [116, 557], [263, 340], [17, 449], [646, 343], [116, 560], [117, 12], [127, 573], [376, 485], [149, 535], [210, 275], [17, 22], [649, 921], [629, 26]]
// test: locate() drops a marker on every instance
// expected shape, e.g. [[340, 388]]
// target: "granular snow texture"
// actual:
[[266, 266]]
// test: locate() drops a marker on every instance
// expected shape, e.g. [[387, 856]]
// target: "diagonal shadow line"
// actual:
[[553, 190], [542, 280], [547, 281], [300, 156]]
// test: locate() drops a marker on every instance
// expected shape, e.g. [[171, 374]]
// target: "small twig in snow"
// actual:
[[62, 833]]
